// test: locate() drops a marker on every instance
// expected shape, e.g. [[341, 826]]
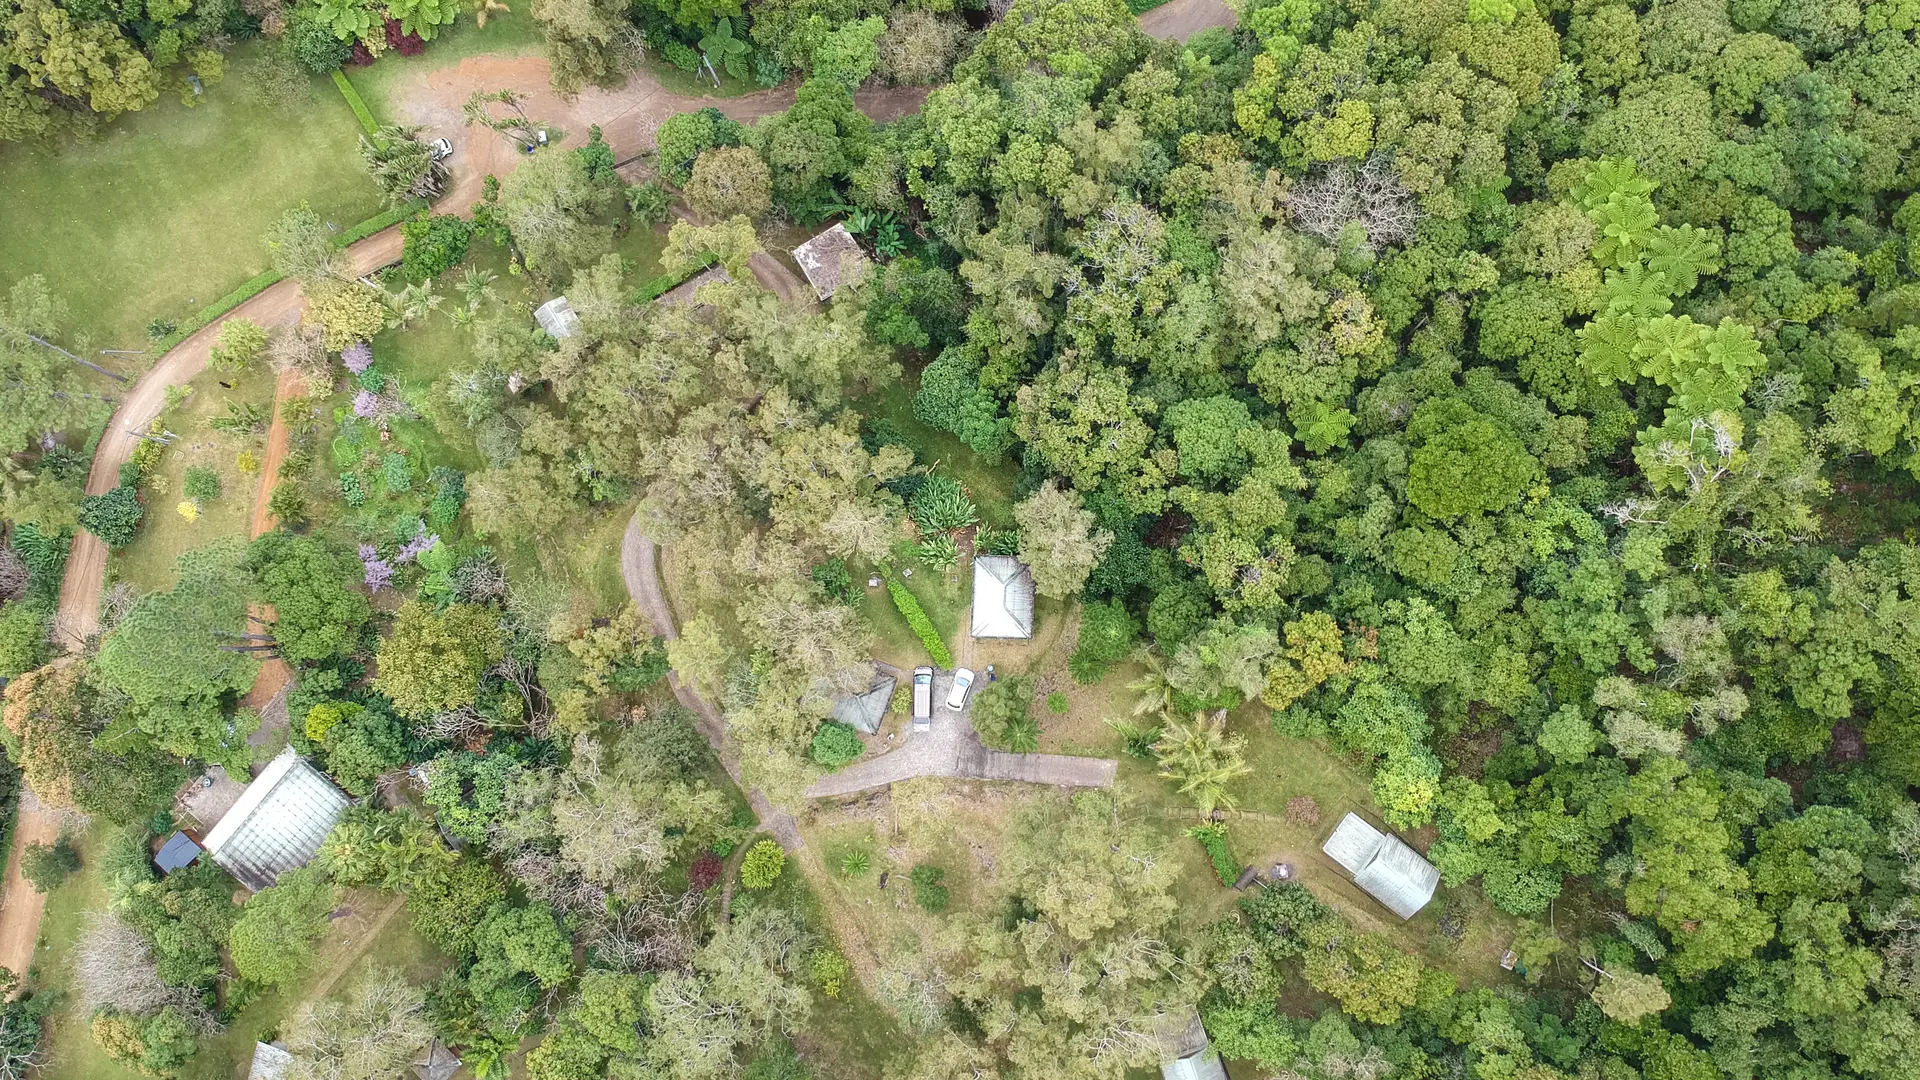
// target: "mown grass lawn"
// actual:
[[162, 214]]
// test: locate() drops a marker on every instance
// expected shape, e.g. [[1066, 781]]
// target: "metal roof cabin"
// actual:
[[1187, 1054], [830, 260], [279, 823], [436, 1062], [270, 1062], [864, 711], [178, 852], [1002, 597], [1383, 865], [556, 317]]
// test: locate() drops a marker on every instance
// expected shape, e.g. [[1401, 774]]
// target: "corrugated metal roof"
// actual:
[[556, 317], [279, 823], [1202, 1066], [864, 712], [1383, 865], [826, 259], [178, 851], [269, 1062], [1002, 597]]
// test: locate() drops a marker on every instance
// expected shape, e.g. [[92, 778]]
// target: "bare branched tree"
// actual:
[[13, 574], [371, 1034], [114, 967], [1337, 195], [301, 349], [656, 931]]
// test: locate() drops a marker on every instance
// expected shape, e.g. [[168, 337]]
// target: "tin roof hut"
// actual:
[[830, 260], [1383, 865], [864, 711]]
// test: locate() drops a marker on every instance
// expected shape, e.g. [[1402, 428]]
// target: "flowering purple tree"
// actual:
[[418, 546], [358, 357], [379, 570], [379, 408]]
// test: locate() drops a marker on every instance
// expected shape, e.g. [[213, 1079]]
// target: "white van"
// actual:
[[922, 698]]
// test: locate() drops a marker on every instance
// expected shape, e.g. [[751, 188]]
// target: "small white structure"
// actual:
[[1383, 865], [830, 260], [270, 1061], [556, 317], [279, 823], [1002, 598], [1187, 1054]]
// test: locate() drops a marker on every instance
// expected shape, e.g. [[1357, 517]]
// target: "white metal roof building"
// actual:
[[270, 1062], [1002, 597], [830, 259], [279, 823], [556, 317], [1187, 1054], [1383, 865]]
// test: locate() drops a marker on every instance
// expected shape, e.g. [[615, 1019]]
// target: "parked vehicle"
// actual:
[[962, 680], [922, 698], [442, 149]]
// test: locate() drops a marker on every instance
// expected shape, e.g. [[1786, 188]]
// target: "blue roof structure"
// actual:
[[179, 851]]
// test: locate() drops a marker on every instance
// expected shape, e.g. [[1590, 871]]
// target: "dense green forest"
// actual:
[[1519, 399]]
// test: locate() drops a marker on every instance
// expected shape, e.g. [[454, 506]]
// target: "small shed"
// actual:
[[1383, 865], [436, 1062], [270, 1062], [830, 260], [1002, 598], [864, 711], [179, 851], [556, 317], [279, 823], [1186, 1053]]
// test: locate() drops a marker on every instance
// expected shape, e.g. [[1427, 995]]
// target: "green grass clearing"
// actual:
[[148, 562], [163, 213]]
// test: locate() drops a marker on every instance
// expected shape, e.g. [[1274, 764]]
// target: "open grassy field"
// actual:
[[163, 212]]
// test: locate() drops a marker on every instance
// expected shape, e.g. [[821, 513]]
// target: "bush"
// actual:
[[682, 137], [241, 341], [353, 491], [836, 744], [1002, 714], [929, 887], [288, 503], [836, 582], [1214, 839], [112, 517], [47, 865], [855, 864], [659, 286], [314, 46], [379, 223], [1057, 703], [203, 484], [396, 472], [729, 180], [830, 970], [681, 56], [762, 866], [650, 203], [248, 289], [1107, 633], [433, 245], [950, 398], [917, 619]]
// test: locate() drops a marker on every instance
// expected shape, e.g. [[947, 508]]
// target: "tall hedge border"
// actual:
[[909, 606], [356, 103]]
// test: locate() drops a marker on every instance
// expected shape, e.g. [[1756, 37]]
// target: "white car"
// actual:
[[962, 680], [442, 149]]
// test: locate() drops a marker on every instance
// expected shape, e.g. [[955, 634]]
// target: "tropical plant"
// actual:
[[1152, 692], [855, 863], [723, 50], [1202, 759], [1136, 739], [938, 552], [424, 17], [941, 506]]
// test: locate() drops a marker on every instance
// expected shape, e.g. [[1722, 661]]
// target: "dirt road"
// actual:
[[20, 905], [1179, 20]]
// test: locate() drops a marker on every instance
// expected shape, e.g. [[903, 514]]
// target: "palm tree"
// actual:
[[1202, 759], [476, 287], [1155, 693]]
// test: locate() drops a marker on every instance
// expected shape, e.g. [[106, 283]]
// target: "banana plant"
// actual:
[[722, 49]]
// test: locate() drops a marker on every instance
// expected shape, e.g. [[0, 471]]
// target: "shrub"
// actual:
[[1107, 633], [835, 581], [941, 506], [1057, 703], [240, 343], [855, 864], [917, 620], [112, 517], [835, 744], [929, 887], [433, 245], [681, 56], [203, 484], [830, 970], [762, 866], [396, 472], [950, 398], [47, 865], [682, 137], [1002, 714], [729, 180], [650, 203], [379, 223], [353, 491], [1214, 839], [288, 503], [938, 552], [704, 872], [312, 43]]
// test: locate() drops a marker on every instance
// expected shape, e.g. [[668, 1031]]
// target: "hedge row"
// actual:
[[381, 223], [909, 606], [355, 102], [259, 283], [251, 288], [660, 286], [1214, 839]]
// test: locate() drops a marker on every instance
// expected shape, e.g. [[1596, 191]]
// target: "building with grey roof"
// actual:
[[1002, 597], [1383, 865], [864, 711], [556, 317], [830, 260], [279, 823]]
